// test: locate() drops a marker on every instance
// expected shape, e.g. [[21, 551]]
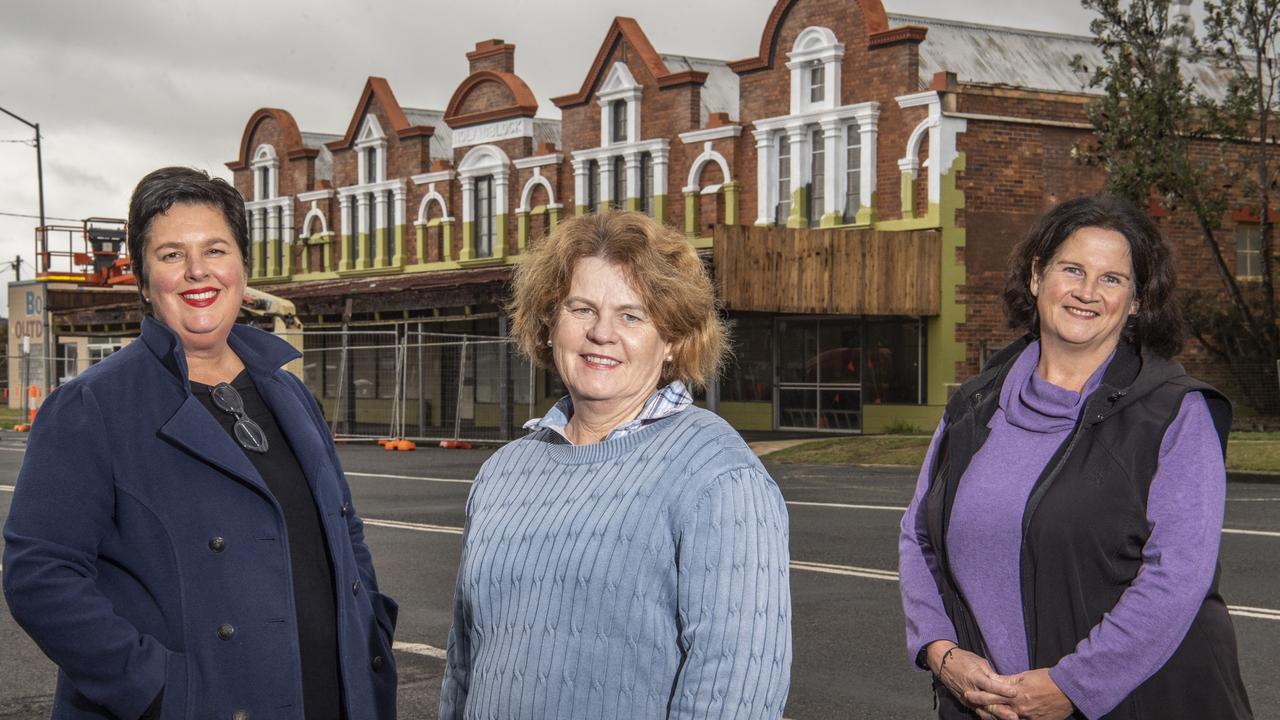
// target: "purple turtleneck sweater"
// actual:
[[1184, 512]]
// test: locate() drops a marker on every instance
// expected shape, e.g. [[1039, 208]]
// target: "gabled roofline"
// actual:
[[873, 14], [293, 148], [525, 104], [628, 28], [376, 86]]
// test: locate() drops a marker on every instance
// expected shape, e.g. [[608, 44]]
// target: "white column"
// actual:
[[799, 158], [468, 198], [580, 182], [499, 194], [286, 222], [606, 180], [764, 179], [362, 213], [633, 117], [344, 213], [661, 163], [831, 144], [379, 211], [867, 126], [259, 219], [633, 174]]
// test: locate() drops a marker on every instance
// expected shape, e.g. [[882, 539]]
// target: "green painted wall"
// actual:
[[748, 415], [878, 418], [945, 352]]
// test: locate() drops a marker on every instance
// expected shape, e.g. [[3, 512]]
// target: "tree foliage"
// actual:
[[1190, 118]]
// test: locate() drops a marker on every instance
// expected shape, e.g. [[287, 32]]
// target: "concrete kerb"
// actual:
[[763, 448]]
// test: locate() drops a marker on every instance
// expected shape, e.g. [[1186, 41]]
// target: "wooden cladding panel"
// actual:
[[854, 272]]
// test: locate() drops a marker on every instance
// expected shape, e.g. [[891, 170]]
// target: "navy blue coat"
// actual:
[[108, 563]]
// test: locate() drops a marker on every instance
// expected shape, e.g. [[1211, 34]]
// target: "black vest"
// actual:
[[1083, 531]]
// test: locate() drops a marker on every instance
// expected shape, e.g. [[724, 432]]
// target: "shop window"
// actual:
[[749, 375], [892, 362]]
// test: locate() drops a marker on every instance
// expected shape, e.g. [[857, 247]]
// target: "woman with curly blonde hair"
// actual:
[[628, 558]]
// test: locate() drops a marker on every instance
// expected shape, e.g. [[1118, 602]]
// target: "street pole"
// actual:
[[39, 160], [39, 175]]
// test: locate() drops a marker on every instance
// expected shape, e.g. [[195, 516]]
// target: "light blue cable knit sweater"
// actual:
[[643, 577]]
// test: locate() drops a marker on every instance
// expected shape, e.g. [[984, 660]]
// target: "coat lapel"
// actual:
[[194, 429], [296, 424]]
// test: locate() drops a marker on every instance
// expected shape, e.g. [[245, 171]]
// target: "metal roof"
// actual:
[[546, 130], [1015, 57], [442, 139], [324, 161], [719, 92]]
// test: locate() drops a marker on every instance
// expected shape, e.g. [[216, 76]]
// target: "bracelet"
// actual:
[[942, 665]]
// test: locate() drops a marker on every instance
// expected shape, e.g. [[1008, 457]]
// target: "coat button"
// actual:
[[226, 631], [355, 588], [378, 662], [346, 509], [217, 544], [240, 715]]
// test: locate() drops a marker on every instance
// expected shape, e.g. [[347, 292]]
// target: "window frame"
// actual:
[[782, 209]]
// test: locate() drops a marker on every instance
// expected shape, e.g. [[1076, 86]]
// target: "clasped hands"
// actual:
[[1031, 695]]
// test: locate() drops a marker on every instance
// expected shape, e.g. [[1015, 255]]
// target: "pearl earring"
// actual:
[[548, 343]]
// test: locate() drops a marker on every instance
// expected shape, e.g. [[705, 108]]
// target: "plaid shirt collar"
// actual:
[[664, 402]]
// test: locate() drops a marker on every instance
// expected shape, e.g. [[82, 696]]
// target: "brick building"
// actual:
[[855, 186]]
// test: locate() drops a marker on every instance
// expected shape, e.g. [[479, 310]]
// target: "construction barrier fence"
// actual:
[[399, 383]]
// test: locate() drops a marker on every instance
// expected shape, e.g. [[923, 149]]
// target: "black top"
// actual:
[[313, 591]]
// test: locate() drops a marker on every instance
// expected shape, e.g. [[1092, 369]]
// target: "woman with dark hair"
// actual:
[[196, 554], [1059, 558], [628, 558]]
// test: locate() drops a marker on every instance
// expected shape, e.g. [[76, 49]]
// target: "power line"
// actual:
[[37, 217], [29, 143]]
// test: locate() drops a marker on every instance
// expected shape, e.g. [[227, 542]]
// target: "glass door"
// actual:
[[818, 374]]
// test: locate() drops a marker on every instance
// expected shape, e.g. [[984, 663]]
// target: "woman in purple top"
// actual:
[[1059, 559]]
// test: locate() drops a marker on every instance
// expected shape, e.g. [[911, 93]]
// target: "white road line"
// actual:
[[896, 508], [408, 477], [6, 488], [420, 527], [419, 649], [1272, 499], [849, 570], [1263, 533], [21, 450]]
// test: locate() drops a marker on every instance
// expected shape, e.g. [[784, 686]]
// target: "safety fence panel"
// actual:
[[423, 386]]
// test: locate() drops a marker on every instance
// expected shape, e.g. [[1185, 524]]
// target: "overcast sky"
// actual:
[[121, 88]]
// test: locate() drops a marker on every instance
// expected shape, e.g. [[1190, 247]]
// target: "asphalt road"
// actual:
[[849, 655]]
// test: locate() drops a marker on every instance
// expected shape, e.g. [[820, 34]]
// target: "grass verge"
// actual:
[[864, 450], [1252, 452]]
